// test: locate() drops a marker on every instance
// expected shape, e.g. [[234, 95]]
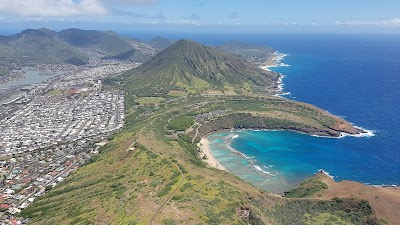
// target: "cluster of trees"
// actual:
[[180, 123], [307, 188]]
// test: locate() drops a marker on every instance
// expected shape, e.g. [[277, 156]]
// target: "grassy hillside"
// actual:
[[107, 42], [40, 46], [190, 66], [254, 53], [160, 43], [275, 113]]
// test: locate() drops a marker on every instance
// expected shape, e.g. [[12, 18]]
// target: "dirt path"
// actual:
[[169, 196], [197, 132]]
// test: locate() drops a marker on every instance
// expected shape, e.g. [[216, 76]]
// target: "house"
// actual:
[[14, 210], [4, 206], [14, 222]]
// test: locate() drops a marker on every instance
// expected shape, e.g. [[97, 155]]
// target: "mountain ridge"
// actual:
[[44, 46], [160, 43]]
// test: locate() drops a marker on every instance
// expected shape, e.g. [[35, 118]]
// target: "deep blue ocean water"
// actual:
[[355, 76]]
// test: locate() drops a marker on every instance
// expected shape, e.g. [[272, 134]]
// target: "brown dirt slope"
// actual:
[[385, 201]]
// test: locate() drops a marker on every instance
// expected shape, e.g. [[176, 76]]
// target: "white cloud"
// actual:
[[52, 8], [387, 23]]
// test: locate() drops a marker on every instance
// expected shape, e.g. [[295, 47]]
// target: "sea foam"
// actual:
[[237, 152], [262, 171], [326, 173], [366, 133], [278, 57]]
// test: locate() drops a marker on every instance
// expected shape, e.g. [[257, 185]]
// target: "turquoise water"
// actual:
[[277, 161]]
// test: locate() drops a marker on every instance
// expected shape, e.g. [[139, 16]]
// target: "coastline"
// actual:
[[205, 149], [206, 155], [273, 62], [276, 61]]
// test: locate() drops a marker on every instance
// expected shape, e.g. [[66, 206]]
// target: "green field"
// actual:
[[176, 93], [54, 92], [149, 100], [4, 72]]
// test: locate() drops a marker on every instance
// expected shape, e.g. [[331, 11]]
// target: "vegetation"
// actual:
[[272, 113], [160, 43], [186, 65], [54, 92], [308, 188], [257, 54], [180, 123], [336, 211], [3, 72], [149, 100], [177, 93], [42, 46], [108, 43]]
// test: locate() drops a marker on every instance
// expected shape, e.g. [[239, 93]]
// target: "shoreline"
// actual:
[[273, 62], [364, 132], [276, 61], [207, 156], [205, 149]]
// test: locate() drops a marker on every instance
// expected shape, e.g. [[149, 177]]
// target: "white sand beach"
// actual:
[[205, 150]]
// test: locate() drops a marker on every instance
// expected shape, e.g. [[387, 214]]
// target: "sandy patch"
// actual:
[[205, 150]]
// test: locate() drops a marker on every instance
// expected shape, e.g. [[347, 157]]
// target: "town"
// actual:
[[52, 128]]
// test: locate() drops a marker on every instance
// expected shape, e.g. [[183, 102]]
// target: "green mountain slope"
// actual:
[[40, 46], [257, 54], [107, 42], [43, 46], [187, 65], [160, 43]]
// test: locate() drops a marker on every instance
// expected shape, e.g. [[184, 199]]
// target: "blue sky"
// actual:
[[222, 15]]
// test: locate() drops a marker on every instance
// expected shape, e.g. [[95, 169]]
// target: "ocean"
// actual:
[[356, 77]]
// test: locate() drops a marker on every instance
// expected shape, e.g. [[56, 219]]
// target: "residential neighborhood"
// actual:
[[52, 128]]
